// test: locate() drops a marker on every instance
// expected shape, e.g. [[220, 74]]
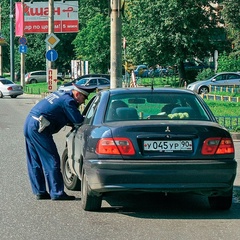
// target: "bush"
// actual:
[[205, 74], [228, 63]]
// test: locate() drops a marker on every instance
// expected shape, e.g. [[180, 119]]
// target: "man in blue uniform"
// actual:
[[43, 161]]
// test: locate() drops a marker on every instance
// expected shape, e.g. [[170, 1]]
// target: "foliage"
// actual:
[[95, 47], [221, 108], [35, 57], [228, 63], [163, 32], [205, 74], [88, 9], [231, 14], [168, 31]]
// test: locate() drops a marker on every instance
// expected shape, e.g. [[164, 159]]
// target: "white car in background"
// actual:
[[39, 76], [99, 83], [9, 88], [220, 79]]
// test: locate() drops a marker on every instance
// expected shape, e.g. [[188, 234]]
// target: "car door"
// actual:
[[79, 137], [233, 79], [92, 82], [220, 80], [103, 83]]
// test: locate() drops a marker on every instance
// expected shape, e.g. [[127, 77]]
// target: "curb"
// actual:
[[235, 136]]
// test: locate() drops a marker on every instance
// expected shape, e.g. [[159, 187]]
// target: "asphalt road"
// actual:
[[138, 216]]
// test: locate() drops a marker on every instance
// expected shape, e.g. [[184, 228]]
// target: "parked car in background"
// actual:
[[141, 71], [17, 77], [39, 76], [220, 79], [194, 65], [9, 88], [97, 82], [149, 140]]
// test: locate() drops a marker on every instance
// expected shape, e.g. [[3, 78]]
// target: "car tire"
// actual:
[[13, 96], [71, 181], [203, 90], [90, 202], [33, 81], [1, 94], [220, 202]]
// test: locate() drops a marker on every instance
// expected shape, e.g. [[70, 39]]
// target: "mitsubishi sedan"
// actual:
[[149, 140]]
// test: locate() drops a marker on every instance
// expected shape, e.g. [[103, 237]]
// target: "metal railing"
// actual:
[[231, 122]]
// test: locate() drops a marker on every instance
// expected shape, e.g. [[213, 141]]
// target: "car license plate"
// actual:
[[168, 146]]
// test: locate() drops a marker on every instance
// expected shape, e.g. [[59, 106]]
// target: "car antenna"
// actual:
[[152, 85]]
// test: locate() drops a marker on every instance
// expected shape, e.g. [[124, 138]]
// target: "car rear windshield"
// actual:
[[5, 81], [152, 106]]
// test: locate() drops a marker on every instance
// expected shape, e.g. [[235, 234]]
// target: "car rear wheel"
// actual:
[[89, 201], [1, 94], [203, 90], [71, 181], [220, 202], [33, 81]]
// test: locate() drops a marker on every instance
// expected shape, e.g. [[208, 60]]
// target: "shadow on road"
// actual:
[[172, 206]]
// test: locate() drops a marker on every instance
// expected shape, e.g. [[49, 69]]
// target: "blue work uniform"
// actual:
[[43, 160]]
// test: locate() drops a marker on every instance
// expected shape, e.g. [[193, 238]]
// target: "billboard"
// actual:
[[36, 17]]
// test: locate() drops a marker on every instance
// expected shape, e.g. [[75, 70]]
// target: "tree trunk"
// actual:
[[182, 74]]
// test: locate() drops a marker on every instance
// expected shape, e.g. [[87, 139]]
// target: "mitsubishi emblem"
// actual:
[[167, 129]]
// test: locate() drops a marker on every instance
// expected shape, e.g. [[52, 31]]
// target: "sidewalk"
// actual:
[[236, 136]]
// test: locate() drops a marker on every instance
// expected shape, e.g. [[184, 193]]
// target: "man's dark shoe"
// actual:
[[63, 197], [43, 196]]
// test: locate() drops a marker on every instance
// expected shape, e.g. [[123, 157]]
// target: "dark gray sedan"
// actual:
[[150, 140]]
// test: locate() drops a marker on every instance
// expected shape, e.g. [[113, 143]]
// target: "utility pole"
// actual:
[[22, 72], [116, 44], [50, 26], [12, 67]]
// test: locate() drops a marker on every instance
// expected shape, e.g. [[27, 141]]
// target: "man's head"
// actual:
[[81, 93]]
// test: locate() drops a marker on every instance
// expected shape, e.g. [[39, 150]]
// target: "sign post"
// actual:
[[52, 80]]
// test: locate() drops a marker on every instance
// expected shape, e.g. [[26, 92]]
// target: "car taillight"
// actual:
[[115, 146], [9, 88], [217, 146]]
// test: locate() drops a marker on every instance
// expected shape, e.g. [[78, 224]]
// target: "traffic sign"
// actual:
[[52, 40], [2, 41], [23, 48], [23, 40], [52, 55]]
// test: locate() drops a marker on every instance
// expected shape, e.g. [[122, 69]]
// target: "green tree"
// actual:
[[231, 16], [35, 58], [92, 43], [169, 31]]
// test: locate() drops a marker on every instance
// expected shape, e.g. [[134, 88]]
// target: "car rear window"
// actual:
[[152, 106], [5, 81]]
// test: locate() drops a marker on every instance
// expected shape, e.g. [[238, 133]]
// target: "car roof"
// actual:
[[97, 75], [228, 73], [94, 78], [147, 90]]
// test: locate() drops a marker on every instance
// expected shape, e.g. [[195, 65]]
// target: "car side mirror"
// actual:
[[214, 80]]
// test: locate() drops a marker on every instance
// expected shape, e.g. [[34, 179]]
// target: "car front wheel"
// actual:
[[71, 181], [33, 81], [89, 201], [203, 90], [220, 202]]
